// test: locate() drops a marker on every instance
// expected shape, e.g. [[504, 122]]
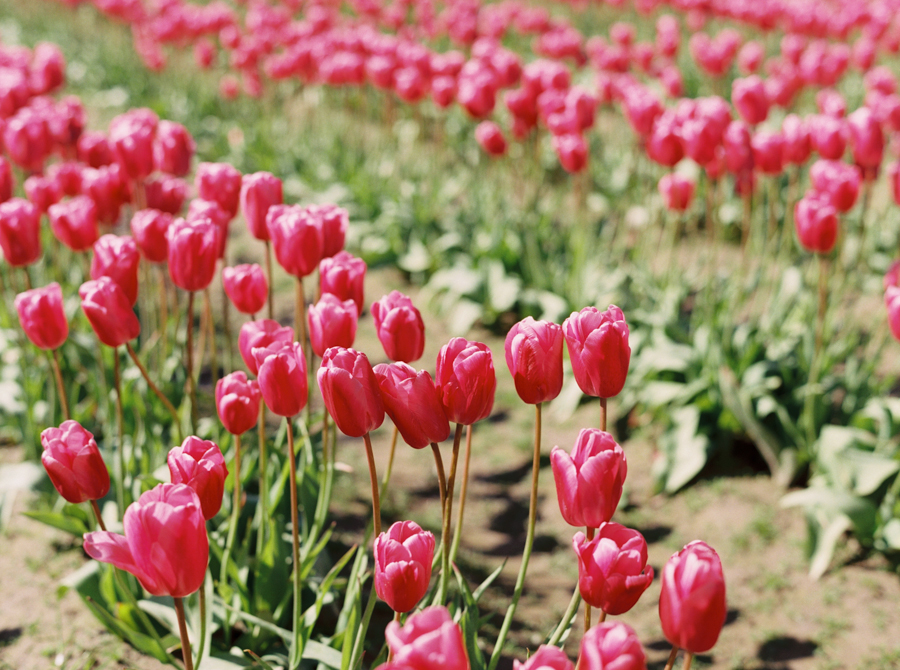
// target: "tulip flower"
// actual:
[[412, 401], [165, 193], [20, 232], [193, 251], [589, 481], [768, 152], [74, 222], [547, 656], [93, 149], [6, 180], [173, 148], [332, 323], [261, 334], [282, 377], [131, 139], [209, 209], [259, 191], [827, 136], [219, 183], [343, 275], [598, 348], [866, 140], [677, 191], [200, 465], [246, 287], [237, 401], [612, 568], [399, 326], [350, 391], [534, 358], [692, 601], [797, 146], [750, 99], [490, 137], [297, 239], [466, 380], [611, 645], [42, 192], [109, 311], [41, 316], [403, 557], [117, 257], [429, 640], [334, 221], [74, 463], [149, 228], [165, 544], [837, 181], [816, 221]]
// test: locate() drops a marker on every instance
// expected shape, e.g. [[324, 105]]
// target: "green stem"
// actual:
[[589, 532], [201, 645], [442, 477], [120, 421], [809, 403], [60, 387], [359, 644], [269, 277], [448, 511], [390, 465], [567, 618], [176, 422], [263, 483], [463, 490], [189, 361], [96, 508], [211, 326], [529, 542], [182, 630], [373, 476], [295, 535], [235, 517]]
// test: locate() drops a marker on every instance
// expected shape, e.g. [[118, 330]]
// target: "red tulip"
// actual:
[[827, 136], [117, 257], [20, 232], [692, 601], [219, 183], [572, 151], [131, 139], [738, 151], [237, 401], [193, 251], [334, 221], [399, 326], [816, 221], [403, 557], [797, 146], [165, 544], [589, 481], [42, 317], [466, 380], [42, 192], [259, 191], [750, 99], [93, 149], [535, 361], [109, 311], [209, 209], [165, 193], [490, 137], [598, 348], [412, 401], [677, 191], [343, 275], [297, 239], [261, 334], [200, 465], [837, 181], [611, 646], [149, 228], [74, 222], [282, 377], [105, 186], [6, 180], [332, 323], [547, 656], [612, 568], [74, 463], [866, 140], [173, 148], [429, 640], [768, 152], [350, 391], [246, 286]]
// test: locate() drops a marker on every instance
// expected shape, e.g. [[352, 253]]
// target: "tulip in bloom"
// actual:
[[193, 252], [165, 544], [350, 391], [589, 481], [403, 557], [74, 222], [261, 334], [343, 275], [677, 191], [42, 192], [750, 99], [466, 380], [430, 640], [399, 326], [297, 239], [535, 361], [165, 193], [837, 181], [73, 462], [334, 222], [598, 347], [412, 401], [201, 465], [490, 137], [612, 568], [117, 257], [547, 656], [259, 191], [131, 139], [572, 151], [611, 646], [332, 323], [816, 222], [109, 311], [42, 317], [892, 303], [246, 286], [866, 140], [768, 152], [827, 136], [20, 232], [237, 401], [282, 377], [797, 146], [219, 183], [149, 228], [173, 148], [692, 601]]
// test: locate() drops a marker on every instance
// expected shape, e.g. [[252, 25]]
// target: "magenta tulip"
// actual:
[[598, 348], [534, 356], [403, 557], [466, 380], [74, 463], [350, 391], [612, 568], [200, 465], [42, 317]]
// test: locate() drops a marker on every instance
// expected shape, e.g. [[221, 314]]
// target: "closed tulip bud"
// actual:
[[149, 228], [547, 656], [797, 146], [93, 149], [74, 222], [165, 193], [173, 148], [200, 465], [343, 275], [332, 323], [73, 462], [429, 640], [692, 601], [677, 191], [165, 544], [297, 239], [399, 327], [750, 99], [403, 557], [827, 136], [105, 186], [237, 401], [589, 480], [219, 183], [866, 139], [738, 151], [282, 377], [193, 252], [768, 152], [412, 401], [109, 311], [209, 209], [490, 137], [27, 140], [838, 181], [466, 380], [131, 138], [259, 191], [20, 232], [535, 360], [816, 221], [117, 257], [572, 151], [42, 192], [598, 348], [334, 221], [42, 317], [750, 57], [261, 334], [831, 103], [350, 391], [611, 646], [612, 568], [246, 286]]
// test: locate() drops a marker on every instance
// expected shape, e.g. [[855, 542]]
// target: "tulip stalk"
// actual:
[[300, 320], [815, 366], [120, 421], [96, 508], [182, 630], [235, 513], [448, 511], [567, 618], [176, 421], [263, 480], [211, 326], [60, 387], [189, 361], [373, 476], [442, 478], [269, 278], [295, 536], [670, 663], [463, 490], [163, 314], [390, 464], [529, 543], [589, 534]]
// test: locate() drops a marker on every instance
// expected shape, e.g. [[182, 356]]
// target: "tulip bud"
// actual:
[[42, 192], [193, 251], [429, 640], [20, 232], [259, 191], [547, 656], [598, 348], [93, 149], [350, 391], [165, 193], [343, 275], [246, 286], [692, 601], [677, 191], [403, 557], [41, 316], [73, 462], [297, 239], [412, 401], [816, 222], [866, 139], [282, 377], [334, 222], [117, 257], [535, 361], [750, 99], [149, 228], [837, 182], [490, 137], [74, 222], [572, 151], [466, 380], [131, 138], [165, 544], [738, 151], [332, 323], [209, 209], [237, 401], [797, 146], [589, 481], [611, 645], [827, 136], [200, 465], [261, 334], [768, 152], [110, 313], [612, 568], [219, 183], [399, 326], [173, 148]]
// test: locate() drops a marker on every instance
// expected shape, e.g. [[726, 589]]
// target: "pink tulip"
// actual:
[[611, 646], [866, 140], [612, 568], [165, 193], [768, 152], [20, 232], [598, 348], [149, 228], [259, 191], [534, 357], [332, 323], [219, 183], [74, 463], [200, 465], [334, 222], [297, 239], [261, 334], [193, 251], [797, 145], [547, 656], [350, 391], [131, 139], [816, 221], [42, 317], [677, 191], [403, 557], [237, 402], [399, 327], [173, 148], [109, 311], [429, 640], [343, 275], [74, 222], [117, 257], [282, 377], [246, 287], [490, 137], [837, 181], [412, 401], [466, 380]]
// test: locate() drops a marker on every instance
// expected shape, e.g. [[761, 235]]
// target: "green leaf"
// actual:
[[686, 450], [60, 520], [476, 595], [316, 651]]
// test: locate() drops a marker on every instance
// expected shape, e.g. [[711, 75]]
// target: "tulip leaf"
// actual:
[[61, 521], [316, 651], [259, 660], [476, 595], [685, 449]]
